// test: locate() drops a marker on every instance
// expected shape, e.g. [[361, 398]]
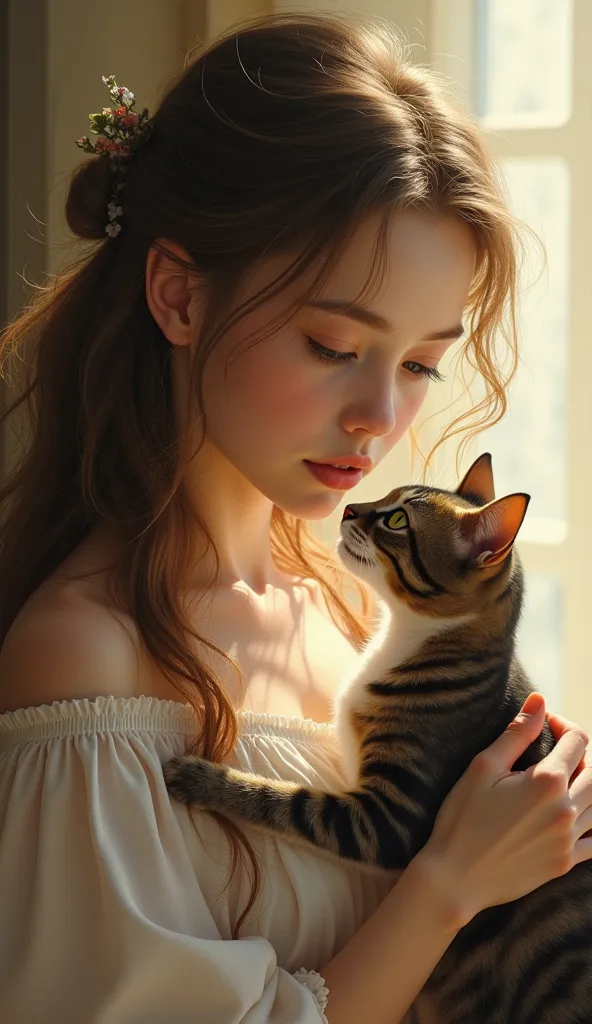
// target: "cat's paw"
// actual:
[[187, 779]]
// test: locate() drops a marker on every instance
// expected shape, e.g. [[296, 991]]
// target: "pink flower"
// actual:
[[106, 145]]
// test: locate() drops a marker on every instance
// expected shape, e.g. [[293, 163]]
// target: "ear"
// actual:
[[478, 482], [169, 294], [489, 533]]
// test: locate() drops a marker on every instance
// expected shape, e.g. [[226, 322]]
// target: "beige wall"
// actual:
[[143, 46], [224, 13], [25, 168]]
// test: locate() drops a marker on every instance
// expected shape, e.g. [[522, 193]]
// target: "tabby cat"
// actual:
[[439, 682]]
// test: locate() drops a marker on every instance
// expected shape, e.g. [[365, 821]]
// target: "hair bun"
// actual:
[[88, 196]]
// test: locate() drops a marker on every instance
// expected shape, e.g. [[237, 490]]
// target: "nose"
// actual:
[[373, 408], [362, 509]]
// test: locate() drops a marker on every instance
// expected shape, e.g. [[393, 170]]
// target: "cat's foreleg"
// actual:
[[353, 825]]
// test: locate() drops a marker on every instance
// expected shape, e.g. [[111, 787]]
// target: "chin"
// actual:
[[315, 507]]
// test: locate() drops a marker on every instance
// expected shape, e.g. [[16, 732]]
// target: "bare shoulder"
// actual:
[[66, 647]]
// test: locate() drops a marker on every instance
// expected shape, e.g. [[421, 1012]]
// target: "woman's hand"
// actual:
[[559, 726], [500, 834]]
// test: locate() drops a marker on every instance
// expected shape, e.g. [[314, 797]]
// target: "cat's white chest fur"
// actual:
[[400, 634]]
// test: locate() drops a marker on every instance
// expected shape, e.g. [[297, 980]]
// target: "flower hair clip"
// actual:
[[120, 132]]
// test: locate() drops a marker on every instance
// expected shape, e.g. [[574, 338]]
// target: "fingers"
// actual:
[[566, 754], [515, 739], [560, 725], [580, 790], [582, 850], [583, 824], [579, 769]]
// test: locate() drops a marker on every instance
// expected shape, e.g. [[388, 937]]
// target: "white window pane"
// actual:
[[524, 62], [528, 445], [540, 637]]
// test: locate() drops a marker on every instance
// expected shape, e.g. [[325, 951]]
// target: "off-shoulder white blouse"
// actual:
[[110, 906]]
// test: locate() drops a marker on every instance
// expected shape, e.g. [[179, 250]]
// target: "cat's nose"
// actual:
[[350, 512]]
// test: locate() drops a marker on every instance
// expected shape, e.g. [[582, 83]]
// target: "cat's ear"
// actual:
[[488, 533], [478, 482]]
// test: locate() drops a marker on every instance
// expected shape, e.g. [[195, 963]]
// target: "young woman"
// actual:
[[304, 228]]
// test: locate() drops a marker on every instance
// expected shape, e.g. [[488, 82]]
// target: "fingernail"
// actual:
[[532, 704]]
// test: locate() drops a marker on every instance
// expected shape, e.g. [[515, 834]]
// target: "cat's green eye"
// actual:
[[398, 520]]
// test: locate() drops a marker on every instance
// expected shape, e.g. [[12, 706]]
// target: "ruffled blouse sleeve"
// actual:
[[103, 918]]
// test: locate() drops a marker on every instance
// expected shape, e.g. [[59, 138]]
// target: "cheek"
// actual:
[[409, 402], [267, 398], [415, 400]]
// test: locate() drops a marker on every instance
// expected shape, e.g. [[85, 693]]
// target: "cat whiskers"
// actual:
[[357, 554]]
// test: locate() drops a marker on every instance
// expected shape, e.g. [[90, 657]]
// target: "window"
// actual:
[[523, 63], [524, 70]]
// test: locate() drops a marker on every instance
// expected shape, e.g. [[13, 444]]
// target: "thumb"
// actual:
[[520, 732]]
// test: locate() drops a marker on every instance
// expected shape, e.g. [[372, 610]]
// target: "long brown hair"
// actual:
[[280, 135]]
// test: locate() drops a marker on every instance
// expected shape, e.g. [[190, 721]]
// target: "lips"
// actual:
[[339, 479], [351, 461]]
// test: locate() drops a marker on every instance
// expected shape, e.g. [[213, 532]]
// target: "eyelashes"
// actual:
[[329, 355], [424, 371]]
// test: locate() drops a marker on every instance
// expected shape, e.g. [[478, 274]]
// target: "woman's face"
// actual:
[[279, 404]]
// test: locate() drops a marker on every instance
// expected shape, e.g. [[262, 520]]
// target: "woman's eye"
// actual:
[[419, 370], [328, 355]]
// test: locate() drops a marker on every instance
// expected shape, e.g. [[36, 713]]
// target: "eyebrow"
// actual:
[[371, 319]]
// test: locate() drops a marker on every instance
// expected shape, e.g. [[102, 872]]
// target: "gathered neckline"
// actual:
[[158, 713]]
